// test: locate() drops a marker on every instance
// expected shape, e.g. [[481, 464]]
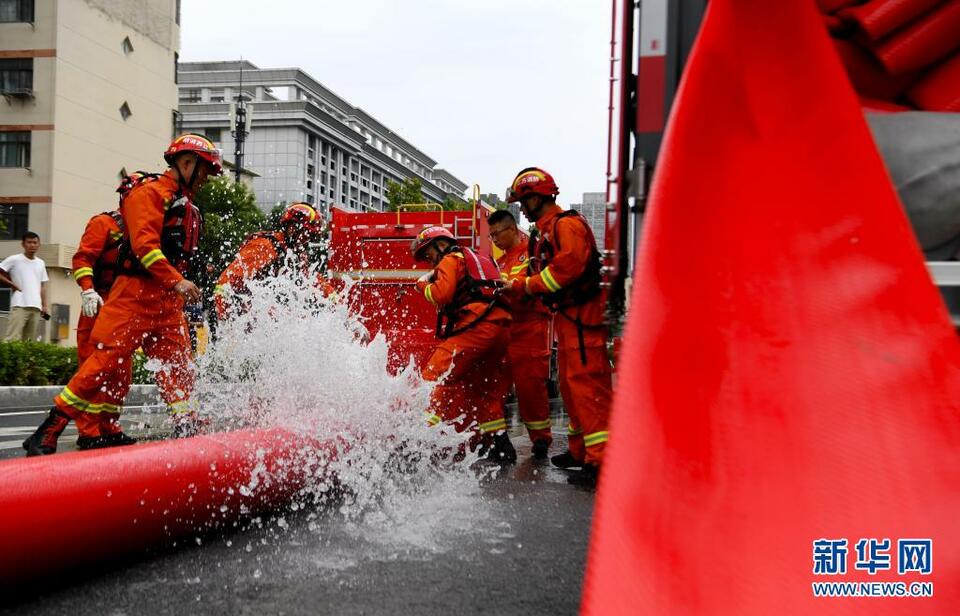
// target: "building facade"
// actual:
[[88, 89], [305, 143], [594, 209]]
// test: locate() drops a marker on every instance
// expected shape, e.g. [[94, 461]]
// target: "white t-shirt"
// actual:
[[26, 274]]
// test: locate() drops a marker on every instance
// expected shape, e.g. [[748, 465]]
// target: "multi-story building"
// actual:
[[305, 143], [89, 91], [594, 209]]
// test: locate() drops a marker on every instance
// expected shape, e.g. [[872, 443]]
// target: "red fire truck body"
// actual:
[[373, 249]]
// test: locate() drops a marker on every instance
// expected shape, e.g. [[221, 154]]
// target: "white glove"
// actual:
[[91, 303], [426, 278]]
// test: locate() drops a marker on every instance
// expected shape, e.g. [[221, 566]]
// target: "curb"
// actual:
[[42, 397]]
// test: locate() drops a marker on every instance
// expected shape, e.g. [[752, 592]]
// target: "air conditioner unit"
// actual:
[[17, 93]]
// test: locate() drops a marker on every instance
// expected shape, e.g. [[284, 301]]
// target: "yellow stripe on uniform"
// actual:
[[432, 419], [80, 272], [429, 294], [571, 431], [493, 426], [595, 438], [518, 269], [179, 408], [73, 400], [152, 257], [547, 276], [537, 425]]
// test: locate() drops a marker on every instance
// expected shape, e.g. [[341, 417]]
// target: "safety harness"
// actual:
[[482, 284], [106, 266], [540, 253], [179, 239]]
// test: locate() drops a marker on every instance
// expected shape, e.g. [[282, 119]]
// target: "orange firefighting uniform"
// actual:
[[98, 250], [143, 311], [585, 386], [255, 258], [529, 350], [471, 395]]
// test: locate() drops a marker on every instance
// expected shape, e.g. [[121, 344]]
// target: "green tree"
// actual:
[[452, 204], [230, 213], [402, 193]]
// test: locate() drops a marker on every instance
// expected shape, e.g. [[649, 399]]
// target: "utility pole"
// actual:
[[239, 131]]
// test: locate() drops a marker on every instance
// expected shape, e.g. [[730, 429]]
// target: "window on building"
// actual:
[[13, 221], [126, 46], [177, 123], [178, 12], [191, 96], [16, 75], [213, 134], [309, 184], [176, 67], [16, 10], [125, 111], [310, 171], [15, 149]]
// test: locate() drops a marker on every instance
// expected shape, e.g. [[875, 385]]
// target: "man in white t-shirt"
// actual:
[[27, 275]]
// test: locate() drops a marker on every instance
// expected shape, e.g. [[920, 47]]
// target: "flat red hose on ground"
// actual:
[[71, 509]]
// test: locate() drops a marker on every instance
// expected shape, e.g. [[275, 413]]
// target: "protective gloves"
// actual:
[[91, 302]]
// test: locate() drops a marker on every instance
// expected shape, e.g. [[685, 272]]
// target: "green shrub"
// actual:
[[36, 363], [39, 363]]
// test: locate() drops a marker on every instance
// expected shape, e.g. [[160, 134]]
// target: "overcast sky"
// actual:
[[483, 87]]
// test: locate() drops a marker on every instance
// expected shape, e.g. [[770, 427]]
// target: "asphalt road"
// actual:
[[513, 543]]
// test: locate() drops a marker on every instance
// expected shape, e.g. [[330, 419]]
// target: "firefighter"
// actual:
[[145, 305], [473, 326], [529, 350], [564, 266], [263, 254]]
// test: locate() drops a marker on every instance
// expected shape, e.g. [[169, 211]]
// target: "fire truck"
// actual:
[[369, 257], [902, 56]]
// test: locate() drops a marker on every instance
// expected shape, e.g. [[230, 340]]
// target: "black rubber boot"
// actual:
[[118, 439], [566, 460], [540, 448], [502, 451], [586, 476], [91, 442], [43, 442]]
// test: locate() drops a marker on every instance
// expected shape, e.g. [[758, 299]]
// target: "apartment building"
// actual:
[[88, 91], [306, 143], [594, 209]]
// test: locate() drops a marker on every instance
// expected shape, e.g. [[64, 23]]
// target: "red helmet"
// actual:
[[427, 237], [532, 181], [199, 145]]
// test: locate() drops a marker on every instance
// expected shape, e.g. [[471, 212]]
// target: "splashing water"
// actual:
[[297, 360]]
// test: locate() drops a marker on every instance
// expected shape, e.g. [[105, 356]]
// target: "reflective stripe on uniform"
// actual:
[[80, 272], [179, 408], [493, 426], [152, 257], [537, 425], [429, 294], [596, 438], [78, 403], [517, 269], [221, 289], [547, 276], [571, 431], [432, 419]]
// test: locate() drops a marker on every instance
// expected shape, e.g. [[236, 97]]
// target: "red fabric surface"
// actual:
[[873, 104], [939, 90], [922, 43], [789, 372], [867, 75], [879, 18], [829, 6]]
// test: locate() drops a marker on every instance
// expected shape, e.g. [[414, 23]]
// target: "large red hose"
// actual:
[[69, 509], [879, 18], [922, 43]]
